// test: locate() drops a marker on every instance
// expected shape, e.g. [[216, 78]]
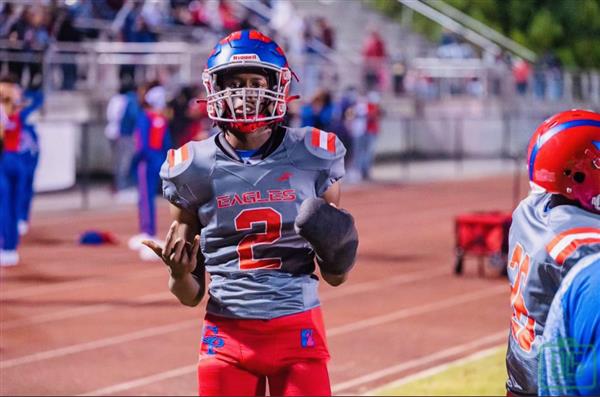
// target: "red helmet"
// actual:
[[564, 157]]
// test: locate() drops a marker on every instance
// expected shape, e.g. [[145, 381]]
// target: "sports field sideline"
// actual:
[[402, 312]]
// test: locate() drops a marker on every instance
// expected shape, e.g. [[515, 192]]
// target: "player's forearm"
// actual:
[[187, 289]]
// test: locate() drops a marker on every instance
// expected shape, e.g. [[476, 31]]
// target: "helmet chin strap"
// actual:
[[247, 127]]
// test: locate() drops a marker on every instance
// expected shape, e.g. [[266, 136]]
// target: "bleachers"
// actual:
[[434, 120]]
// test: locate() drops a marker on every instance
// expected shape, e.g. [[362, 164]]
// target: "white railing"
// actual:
[[98, 64], [447, 22], [483, 29]]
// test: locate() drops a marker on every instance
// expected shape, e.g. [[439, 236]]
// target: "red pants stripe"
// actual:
[[240, 357]]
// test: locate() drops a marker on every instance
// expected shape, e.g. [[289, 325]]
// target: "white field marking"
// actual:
[[435, 370], [459, 205], [181, 371], [440, 354], [32, 291], [174, 373], [80, 311], [326, 296], [115, 340], [411, 311], [39, 290], [119, 387]]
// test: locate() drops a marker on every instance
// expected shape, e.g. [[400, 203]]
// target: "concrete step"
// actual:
[[352, 19]]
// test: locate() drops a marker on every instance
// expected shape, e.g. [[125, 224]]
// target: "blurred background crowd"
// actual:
[[367, 68], [28, 30]]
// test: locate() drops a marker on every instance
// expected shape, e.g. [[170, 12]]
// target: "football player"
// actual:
[[557, 225], [260, 201]]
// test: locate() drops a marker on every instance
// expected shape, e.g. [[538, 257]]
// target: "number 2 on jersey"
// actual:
[[245, 221]]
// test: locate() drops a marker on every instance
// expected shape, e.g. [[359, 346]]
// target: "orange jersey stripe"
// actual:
[[316, 136], [184, 152], [176, 157], [171, 158], [572, 247], [569, 232], [331, 143]]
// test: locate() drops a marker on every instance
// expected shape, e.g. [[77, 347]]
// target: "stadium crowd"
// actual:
[[28, 29]]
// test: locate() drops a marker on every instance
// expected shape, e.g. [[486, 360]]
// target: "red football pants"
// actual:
[[238, 357]]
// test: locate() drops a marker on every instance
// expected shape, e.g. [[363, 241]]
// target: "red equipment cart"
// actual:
[[484, 235]]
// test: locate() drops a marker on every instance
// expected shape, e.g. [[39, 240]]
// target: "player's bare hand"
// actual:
[[178, 254]]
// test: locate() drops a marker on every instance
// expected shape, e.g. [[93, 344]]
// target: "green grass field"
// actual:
[[483, 376]]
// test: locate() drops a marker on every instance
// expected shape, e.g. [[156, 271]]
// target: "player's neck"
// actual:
[[252, 141]]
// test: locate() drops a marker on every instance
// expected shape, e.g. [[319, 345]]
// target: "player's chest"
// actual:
[[270, 182], [260, 192]]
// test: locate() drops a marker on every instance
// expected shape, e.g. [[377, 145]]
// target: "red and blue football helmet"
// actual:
[[564, 157], [247, 50]]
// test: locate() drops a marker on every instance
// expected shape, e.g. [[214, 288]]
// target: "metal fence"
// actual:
[[96, 65], [96, 68]]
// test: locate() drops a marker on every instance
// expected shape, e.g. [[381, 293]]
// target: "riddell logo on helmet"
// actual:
[[245, 57], [545, 176]]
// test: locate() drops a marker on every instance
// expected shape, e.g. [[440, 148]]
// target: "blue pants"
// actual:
[[368, 155], [12, 170], [3, 203], [123, 153], [148, 170], [30, 162]]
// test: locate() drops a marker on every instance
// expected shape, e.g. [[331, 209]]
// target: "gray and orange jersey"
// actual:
[[544, 243], [259, 266]]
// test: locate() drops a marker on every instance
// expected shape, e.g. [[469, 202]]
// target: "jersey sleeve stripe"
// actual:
[[323, 140], [567, 242], [178, 156], [572, 247], [568, 233], [316, 137], [171, 158], [184, 153], [331, 143]]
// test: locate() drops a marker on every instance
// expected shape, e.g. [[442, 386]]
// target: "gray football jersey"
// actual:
[[544, 243], [259, 266]]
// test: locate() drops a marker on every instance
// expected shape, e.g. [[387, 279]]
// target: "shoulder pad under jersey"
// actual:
[[187, 174], [313, 149]]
